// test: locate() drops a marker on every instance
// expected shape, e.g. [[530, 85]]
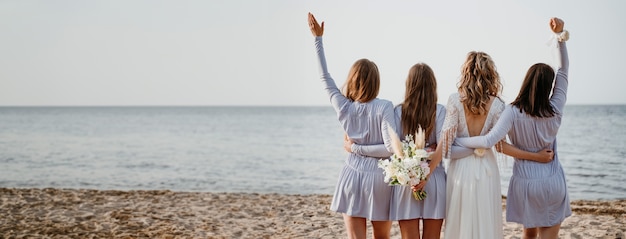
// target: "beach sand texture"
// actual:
[[78, 213]]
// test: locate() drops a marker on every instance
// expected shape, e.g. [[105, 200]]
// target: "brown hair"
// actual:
[[420, 100], [363, 82], [534, 96], [479, 81]]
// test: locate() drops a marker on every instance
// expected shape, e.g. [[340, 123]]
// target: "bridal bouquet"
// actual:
[[409, 163]]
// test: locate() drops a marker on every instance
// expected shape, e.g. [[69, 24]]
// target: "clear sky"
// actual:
[[251, 52]]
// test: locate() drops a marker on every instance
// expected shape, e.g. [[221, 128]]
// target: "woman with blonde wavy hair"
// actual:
[[473, 197]]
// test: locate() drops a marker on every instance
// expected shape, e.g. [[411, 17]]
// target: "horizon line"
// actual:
[[245, 105]]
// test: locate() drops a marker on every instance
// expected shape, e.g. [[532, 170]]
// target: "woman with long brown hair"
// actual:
[[361, 193]]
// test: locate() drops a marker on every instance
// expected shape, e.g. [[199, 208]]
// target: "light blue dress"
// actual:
[[403, 206], [537, 195], [360, 190]]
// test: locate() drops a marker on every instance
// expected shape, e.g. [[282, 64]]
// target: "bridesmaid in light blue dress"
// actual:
[[361, 193], [419, 108], [537, 196]]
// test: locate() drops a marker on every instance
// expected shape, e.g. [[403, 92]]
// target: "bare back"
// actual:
[[460, 124], [476, 123]]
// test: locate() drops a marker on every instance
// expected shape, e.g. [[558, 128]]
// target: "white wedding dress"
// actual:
[[473, 197]]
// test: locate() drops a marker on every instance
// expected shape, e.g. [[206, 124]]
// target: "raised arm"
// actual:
[[559, 95], [337, 99]]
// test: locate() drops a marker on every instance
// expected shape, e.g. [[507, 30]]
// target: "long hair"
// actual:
[[420, 100], [363, 81], [479, 81], [534, 96]]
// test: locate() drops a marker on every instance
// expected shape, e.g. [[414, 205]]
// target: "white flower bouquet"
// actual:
[[409, 163]]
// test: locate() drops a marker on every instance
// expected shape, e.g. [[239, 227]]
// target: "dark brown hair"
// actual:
[[534, 96], [420, 100]]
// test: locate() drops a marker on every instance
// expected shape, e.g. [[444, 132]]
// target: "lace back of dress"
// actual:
[[450, 126]]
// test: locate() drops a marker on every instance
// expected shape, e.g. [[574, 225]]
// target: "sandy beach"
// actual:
[[78, 213]]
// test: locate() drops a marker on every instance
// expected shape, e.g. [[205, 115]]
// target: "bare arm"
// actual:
[[543, 156]]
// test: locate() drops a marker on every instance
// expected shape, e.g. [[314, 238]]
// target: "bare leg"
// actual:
[[530, 233], [432, 228], [382, 229], [549, 232], [356, 227], [410, 229]]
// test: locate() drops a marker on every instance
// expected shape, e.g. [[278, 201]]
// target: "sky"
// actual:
[[261, 53]]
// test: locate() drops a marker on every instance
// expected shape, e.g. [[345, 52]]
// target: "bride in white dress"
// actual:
[[473, 197]]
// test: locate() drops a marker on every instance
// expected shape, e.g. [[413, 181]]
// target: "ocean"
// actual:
[[290, 150]]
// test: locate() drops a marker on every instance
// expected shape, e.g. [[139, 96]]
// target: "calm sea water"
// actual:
[[295, 150]]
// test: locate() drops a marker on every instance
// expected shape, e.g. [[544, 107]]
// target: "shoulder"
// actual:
[[398, 109], [453, 101], [512, 110], [381, 103], [440, 107], [454, 96], [441, 110], [385, 102], [498, 103]]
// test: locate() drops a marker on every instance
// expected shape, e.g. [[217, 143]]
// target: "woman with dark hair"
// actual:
[[361, 193], [537, 196]]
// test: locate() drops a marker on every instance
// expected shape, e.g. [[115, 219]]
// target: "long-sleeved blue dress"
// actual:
[[403, 205], [360, 190], [537, 195]]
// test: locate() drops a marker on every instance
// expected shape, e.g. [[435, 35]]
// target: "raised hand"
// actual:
[[556, 25], [316, 29]]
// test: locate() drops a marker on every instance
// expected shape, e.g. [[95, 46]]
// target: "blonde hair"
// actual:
[[479, 81], [420, 100], [363, 81]]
